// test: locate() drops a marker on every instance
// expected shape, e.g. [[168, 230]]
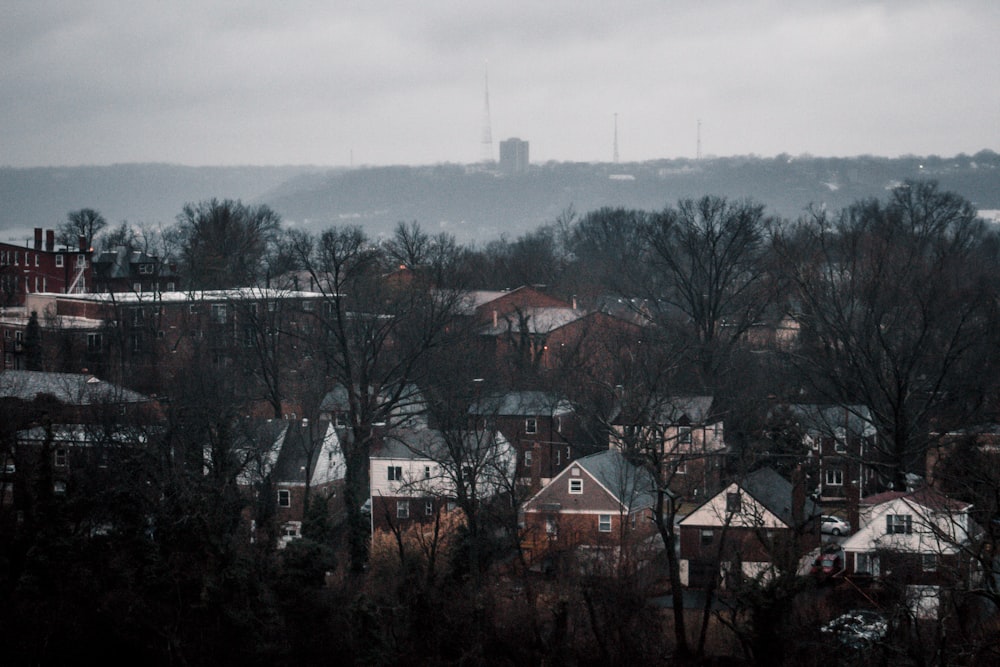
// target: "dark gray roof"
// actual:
[[522, 404], [68, 388], [831, 420], [632, 485], [668, 410], [775, 493]]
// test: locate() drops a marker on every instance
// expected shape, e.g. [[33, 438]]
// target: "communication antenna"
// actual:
[[616, 138], [698, 149], [487, 139]]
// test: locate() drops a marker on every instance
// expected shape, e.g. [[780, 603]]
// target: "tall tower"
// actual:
[[487, 138], [616, 139]]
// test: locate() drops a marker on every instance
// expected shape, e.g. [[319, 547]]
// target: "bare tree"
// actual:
[[226, 243], [895, 313], [373, 338], [85, 223], [706, 265]]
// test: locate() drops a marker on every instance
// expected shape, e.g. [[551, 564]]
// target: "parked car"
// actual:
[[834, 525]]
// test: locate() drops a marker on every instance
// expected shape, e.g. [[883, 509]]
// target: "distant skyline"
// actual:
[[382, 83]]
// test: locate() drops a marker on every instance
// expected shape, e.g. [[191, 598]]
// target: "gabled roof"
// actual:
[[535, 320], [630, 485], [521, 404], [775, 493], [67, 388], [411, 401], [925, 497], [831, 420], [771, 491], [669, 410]]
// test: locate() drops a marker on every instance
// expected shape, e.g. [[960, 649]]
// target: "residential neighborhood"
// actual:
[[392, 443]]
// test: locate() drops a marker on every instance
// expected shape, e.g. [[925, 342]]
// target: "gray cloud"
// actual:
[[312, 82]]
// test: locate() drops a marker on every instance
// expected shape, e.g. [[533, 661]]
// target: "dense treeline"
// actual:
[[896, 307]]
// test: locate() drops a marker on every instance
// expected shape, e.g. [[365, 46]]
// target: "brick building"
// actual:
[[41, 267]]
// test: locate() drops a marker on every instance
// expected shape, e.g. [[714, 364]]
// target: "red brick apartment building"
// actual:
[[38, 268]]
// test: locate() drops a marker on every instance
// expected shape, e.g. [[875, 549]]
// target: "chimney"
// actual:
[[496, 319], [50, 240], [83, 243], [38, 238]]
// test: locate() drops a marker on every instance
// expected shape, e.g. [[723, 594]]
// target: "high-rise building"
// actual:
[[513, 156]]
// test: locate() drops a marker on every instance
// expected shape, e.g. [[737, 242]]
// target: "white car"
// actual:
[[834, 525]]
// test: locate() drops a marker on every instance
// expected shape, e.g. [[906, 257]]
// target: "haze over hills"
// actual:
[[474, 204]]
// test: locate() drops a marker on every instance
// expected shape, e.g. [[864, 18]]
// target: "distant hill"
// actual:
[[474, 204], [151, 193]]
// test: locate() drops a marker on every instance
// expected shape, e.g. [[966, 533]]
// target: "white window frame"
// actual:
[[527, 458], [394, 473], [576, 485], [531, 425], [402, 509], [834, 476], [59, 261], [604, 523], [60, 458], [284, 498], [428, 508]]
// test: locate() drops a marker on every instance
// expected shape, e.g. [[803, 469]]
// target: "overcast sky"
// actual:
[[298, 82]]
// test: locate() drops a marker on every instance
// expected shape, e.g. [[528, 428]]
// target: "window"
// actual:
[[146, 269], [37, 261], [929, 562], [733, 502], [402, 509], [136, 341], [684, 436], [707, 536], [558, 456], [94, 342], [839, 445], [395, 473], [59, 487], [576, 485], [340, 420], [137, 287], [219, 312], [136, 316], [866, 563], [898, 524], [59, 261], [428, 508], [284, 498], [193, 308], [427, 472], [170, 287], [531, 425], [604, 523], [308, 306], [551, 527], [527, 458], [60, 458], [834, 477], [81, 260]]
